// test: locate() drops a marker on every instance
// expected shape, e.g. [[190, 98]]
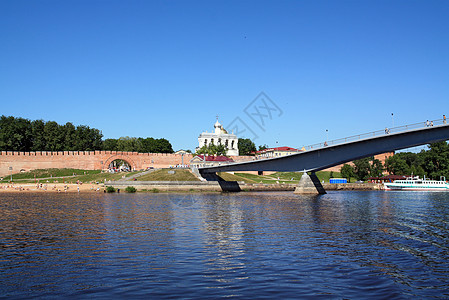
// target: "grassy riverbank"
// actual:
[[169, 175], [97, 176], [276, 178], [65, 175]]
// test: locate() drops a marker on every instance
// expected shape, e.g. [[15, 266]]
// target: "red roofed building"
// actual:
[[210, 160], [276, 152]]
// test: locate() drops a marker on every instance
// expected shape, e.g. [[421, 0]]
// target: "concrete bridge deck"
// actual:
[[325, 155], [321, 156]]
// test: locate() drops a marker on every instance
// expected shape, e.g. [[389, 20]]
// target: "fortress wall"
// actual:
[[45, 159], [159, 160], [90, 160]]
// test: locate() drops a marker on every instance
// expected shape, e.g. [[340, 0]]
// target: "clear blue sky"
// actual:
[[167, 68]]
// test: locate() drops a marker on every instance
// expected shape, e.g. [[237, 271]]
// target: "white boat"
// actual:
[[417, 184]]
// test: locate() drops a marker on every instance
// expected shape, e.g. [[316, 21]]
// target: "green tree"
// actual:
[[212, 149], [110, 144], [347, 171], [406, 163], [15, 134], [246, 147], [416, 171], [362, 168], [127, 143], [69, 136], [163, 146], [142, 145], [376, 167], [54, 138], [263, 147], [39, 142], [412, 159], [146, 145], [396, 165], [18, 134], [221, 150], [203, 150], [81, 143], [436, 160]]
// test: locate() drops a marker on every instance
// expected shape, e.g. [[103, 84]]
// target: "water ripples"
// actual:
[[246, 245]]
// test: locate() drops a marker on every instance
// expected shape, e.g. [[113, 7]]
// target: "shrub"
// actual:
[[130, 189], [110, 189]]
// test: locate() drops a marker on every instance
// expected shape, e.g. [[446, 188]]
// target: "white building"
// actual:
[[220, 137], [209, 161], [278, 151]]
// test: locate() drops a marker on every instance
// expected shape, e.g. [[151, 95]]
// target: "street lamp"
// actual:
[[327, 131], [392, 119]]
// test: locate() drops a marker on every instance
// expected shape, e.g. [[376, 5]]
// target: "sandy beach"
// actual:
[[51, 187]]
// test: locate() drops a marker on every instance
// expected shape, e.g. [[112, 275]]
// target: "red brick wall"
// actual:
[[99, 160], [89, 160], [382, 157]]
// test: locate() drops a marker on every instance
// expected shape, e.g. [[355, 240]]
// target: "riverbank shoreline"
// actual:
[[215, 186], [50, 188], [173, 186]]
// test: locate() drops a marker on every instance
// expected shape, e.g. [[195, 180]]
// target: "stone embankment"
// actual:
[[208, 186], [353, 186]]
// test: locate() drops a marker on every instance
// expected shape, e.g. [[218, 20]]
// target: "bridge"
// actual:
[[331, 153]]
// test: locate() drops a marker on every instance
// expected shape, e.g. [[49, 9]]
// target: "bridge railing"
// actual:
[[372, 134]]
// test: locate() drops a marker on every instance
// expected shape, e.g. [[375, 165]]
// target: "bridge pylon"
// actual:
[[309, 184]]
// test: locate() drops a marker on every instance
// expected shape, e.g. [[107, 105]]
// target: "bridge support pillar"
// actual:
[[226, 186], [309, 185]]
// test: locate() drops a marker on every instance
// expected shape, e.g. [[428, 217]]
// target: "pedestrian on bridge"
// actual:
[[444, 119], [427, 123]]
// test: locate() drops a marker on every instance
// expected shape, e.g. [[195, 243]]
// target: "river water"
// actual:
[[353, 245]]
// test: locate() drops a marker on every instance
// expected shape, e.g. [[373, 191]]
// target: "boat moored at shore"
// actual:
[[417, 184]]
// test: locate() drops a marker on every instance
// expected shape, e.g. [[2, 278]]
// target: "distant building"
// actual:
[[181, 151], [209, 161], [277, 152], [382, 157], [220, 137]]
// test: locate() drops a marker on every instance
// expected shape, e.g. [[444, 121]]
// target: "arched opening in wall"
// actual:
[[119, 165]]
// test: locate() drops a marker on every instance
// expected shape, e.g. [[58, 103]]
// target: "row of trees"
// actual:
[[247, 147], [362, 169], [19, 134], [142, 145], [432, 163]]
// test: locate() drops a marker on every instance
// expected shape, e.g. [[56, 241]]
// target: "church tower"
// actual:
[[220, 137]]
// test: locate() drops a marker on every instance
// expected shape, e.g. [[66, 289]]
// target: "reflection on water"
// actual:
[[245, 245]]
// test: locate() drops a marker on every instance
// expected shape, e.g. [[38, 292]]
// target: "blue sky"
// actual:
[[167, 68]]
